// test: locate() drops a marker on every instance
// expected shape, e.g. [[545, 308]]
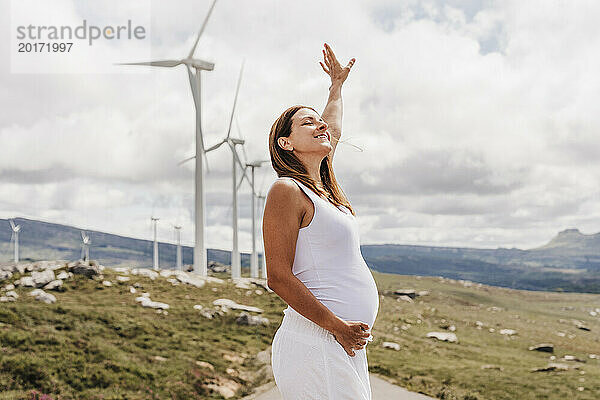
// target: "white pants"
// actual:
[[309, 364]]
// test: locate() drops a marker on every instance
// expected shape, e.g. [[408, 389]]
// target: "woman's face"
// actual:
[[309, 134]]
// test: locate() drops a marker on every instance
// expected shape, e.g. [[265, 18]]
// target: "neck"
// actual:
[[313, 170]]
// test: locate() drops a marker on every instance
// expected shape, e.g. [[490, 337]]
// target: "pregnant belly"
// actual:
[[350, 294]]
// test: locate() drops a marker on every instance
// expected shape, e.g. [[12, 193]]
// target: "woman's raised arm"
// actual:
[[332, 114]]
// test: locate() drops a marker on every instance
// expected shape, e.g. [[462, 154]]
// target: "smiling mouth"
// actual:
[[323, 135]]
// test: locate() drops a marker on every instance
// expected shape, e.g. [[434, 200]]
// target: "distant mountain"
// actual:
[[48, 241], [569, 262], [573, 242]]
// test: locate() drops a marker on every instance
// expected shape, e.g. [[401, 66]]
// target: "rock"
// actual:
[[10, 286], [63, 275], [235, 306], [423, 293], [191, 280], [41, 278], [148, 273], [391, 345], [132, 289], [552, 367], [243, 285], [159, 358], [264, 357], [55, 284], [210, 313], [173, 281], [232, 372], [205, 364], [225, 387], [43, 296], [233, 358], [545, 347], [246, 319], [137, 285], [26, 281], [406, 292], [5, 299], [198, 307], [572, 358], [146, 302], [107, 283], [5, 275], [123, 278], [582, 327], [491, 366], [405, 298], [146, 294], [84, 268], [443, 336], [508, 332], [122, 270]]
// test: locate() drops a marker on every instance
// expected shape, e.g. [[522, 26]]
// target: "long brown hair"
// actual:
[[287, 164]]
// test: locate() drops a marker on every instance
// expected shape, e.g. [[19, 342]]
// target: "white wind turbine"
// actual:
[[261, 206], [155, 252], [200, 262], [236, 270], [254, 256], [85, 246], [178, 234], [15, 236]]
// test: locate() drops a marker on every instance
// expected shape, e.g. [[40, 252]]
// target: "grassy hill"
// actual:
[[97, 342]]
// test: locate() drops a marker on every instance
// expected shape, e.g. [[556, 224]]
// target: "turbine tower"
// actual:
[[200, 262], [155, 253], [15, 236], [261, 206], [236, 269], [254, 256], [85, 246], [178, 233]]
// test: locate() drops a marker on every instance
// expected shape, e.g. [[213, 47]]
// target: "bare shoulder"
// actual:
[[284, 192]]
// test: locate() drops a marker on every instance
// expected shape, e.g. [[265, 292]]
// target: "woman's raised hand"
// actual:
[[333, 68]]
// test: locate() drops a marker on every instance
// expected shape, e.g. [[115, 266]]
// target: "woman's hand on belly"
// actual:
[[351, 335]]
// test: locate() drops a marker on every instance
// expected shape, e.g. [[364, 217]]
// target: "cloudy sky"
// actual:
[[477, 120]]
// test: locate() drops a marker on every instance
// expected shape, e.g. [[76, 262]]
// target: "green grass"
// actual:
[[96, 342]]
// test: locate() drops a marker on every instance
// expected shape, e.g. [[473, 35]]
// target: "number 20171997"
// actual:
[[39, 47]]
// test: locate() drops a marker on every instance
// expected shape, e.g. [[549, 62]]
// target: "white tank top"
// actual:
[[329, 263]]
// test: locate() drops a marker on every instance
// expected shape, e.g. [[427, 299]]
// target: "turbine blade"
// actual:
[[206, 163], [202, 29], [161, 63], [186, 160], [216, 146], [242, 166], [237, 125], [12, 224], [237, 91]]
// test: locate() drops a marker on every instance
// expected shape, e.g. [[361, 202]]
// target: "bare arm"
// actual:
[[281, 223], [332, 114]]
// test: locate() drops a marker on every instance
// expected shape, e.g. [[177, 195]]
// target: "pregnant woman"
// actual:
[[313, 257]]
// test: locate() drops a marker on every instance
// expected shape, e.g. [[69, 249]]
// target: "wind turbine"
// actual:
[[178, 233], [155, 253], [200, 262], [254, 256], [236, 269], [15, 236], [261, 206], [85, 246]]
